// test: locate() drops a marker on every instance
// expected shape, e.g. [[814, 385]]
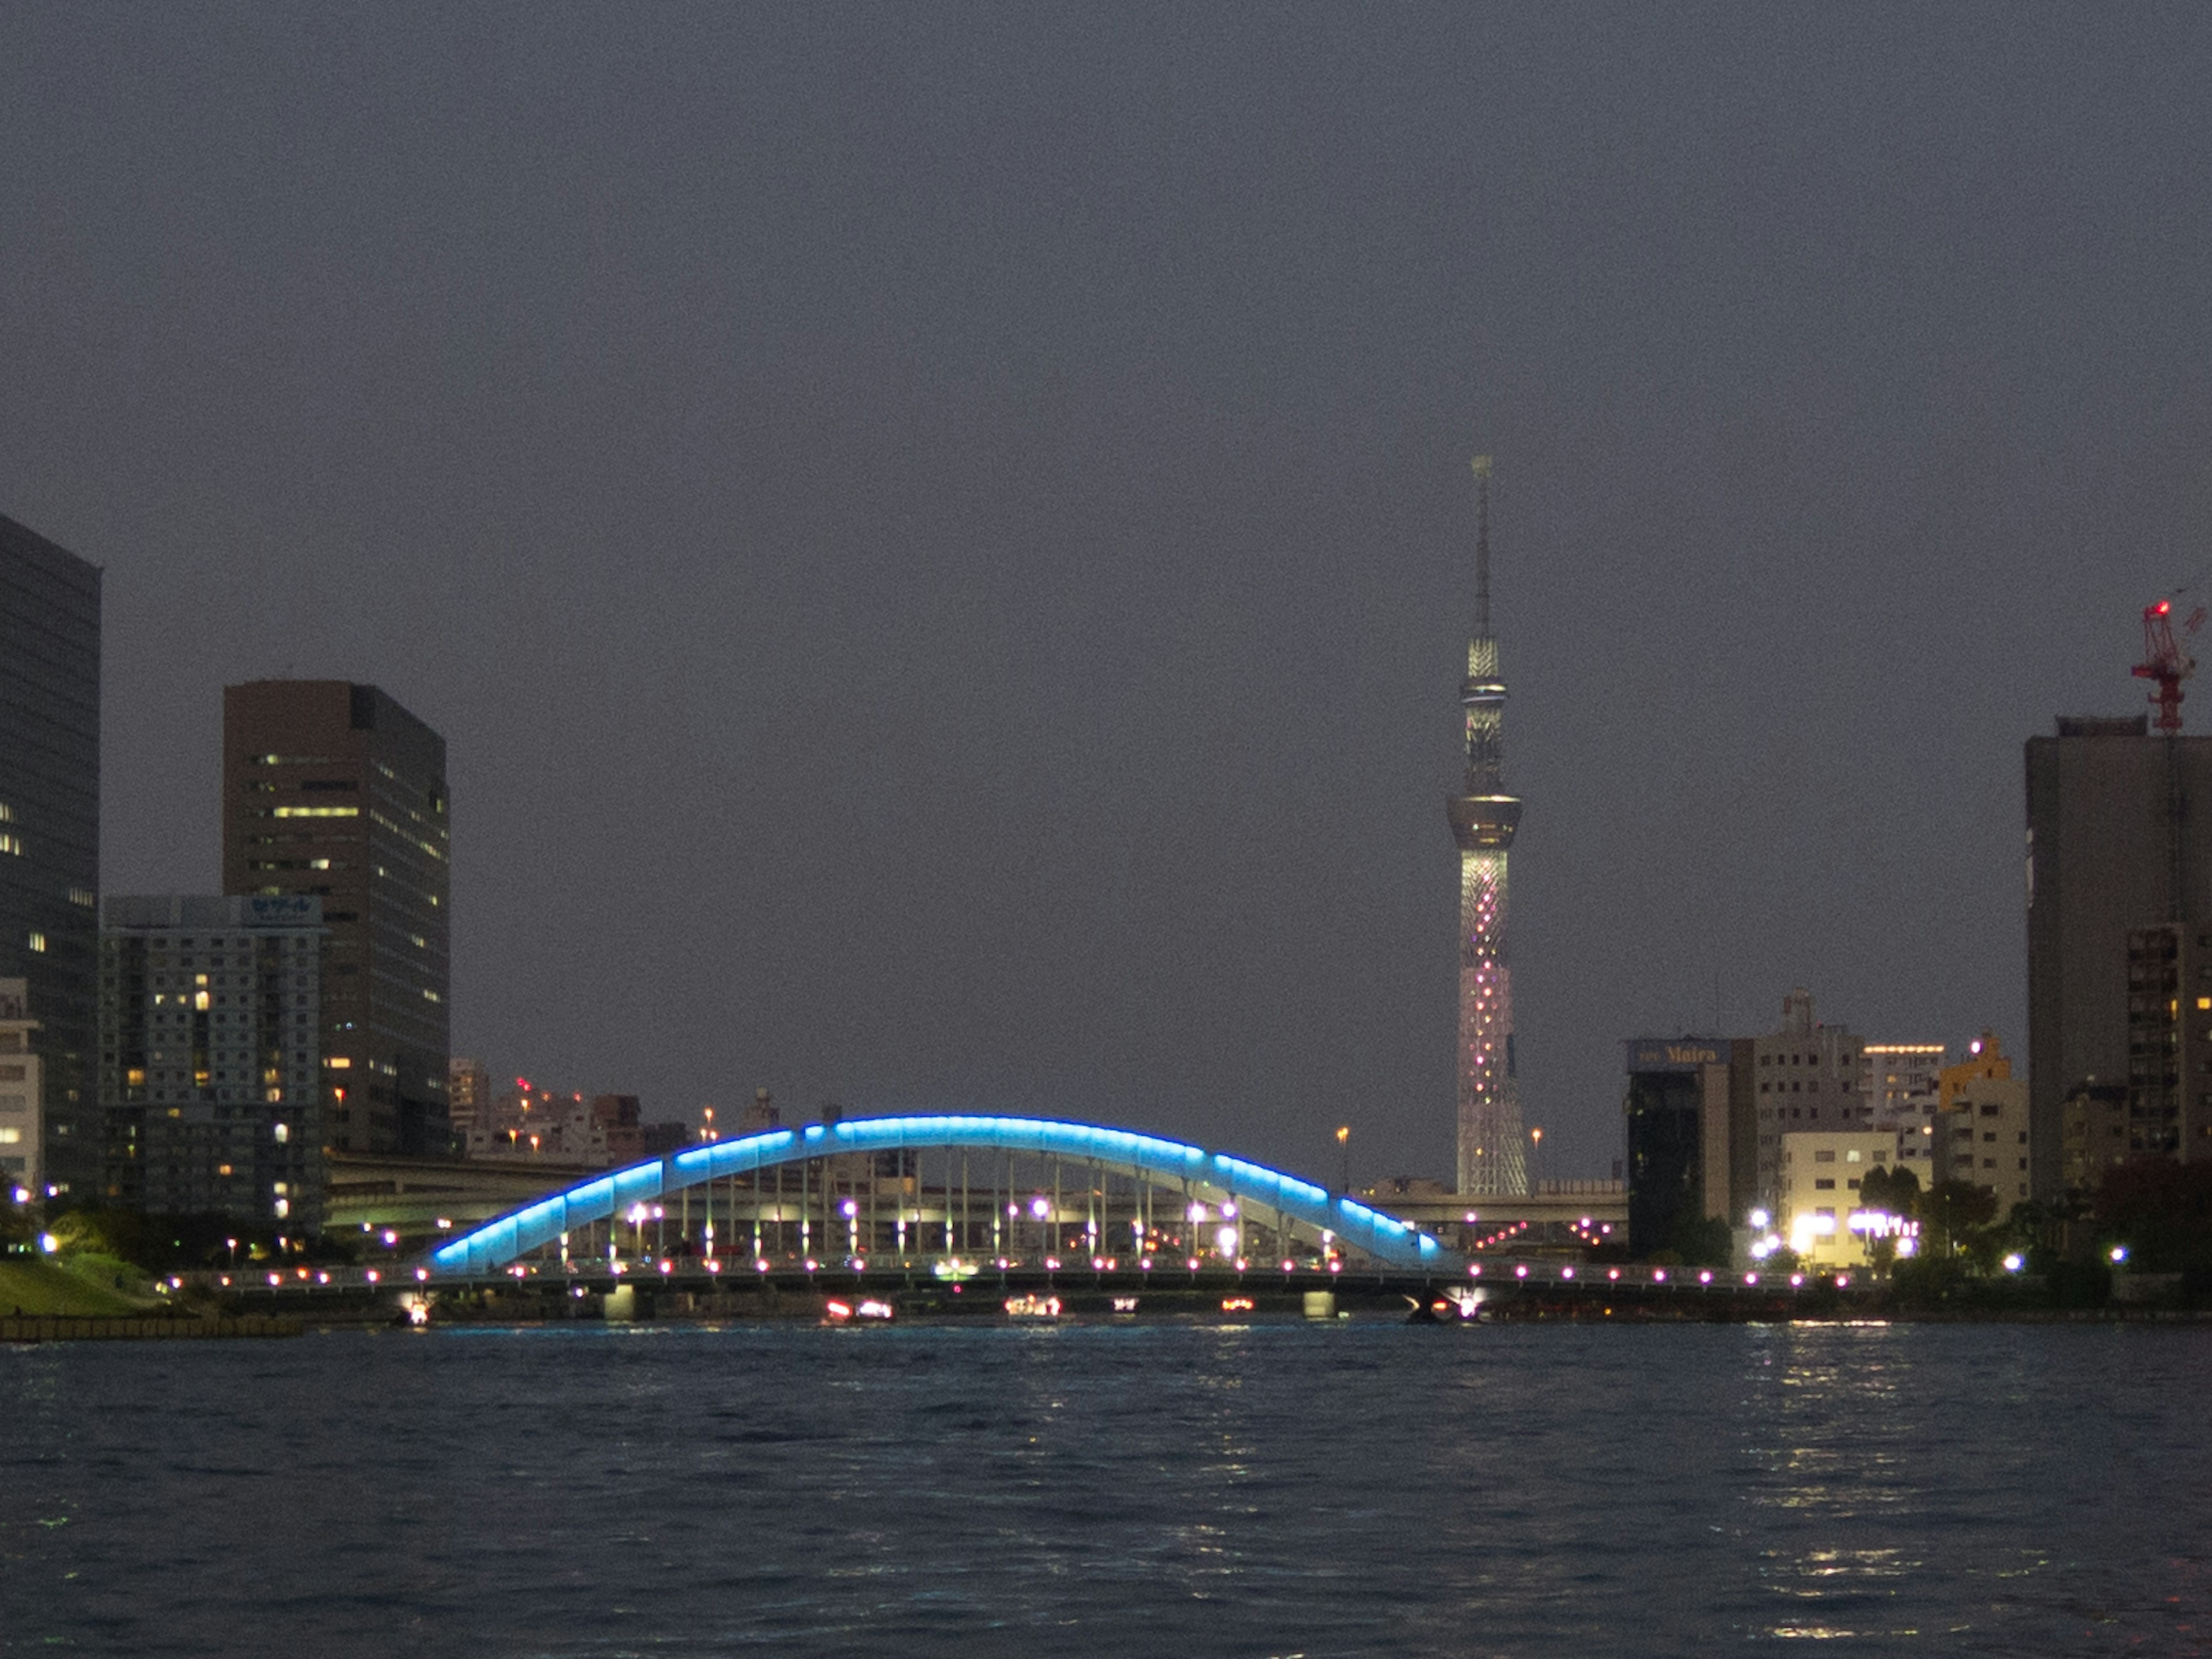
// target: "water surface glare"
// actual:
[[1274, 1489]]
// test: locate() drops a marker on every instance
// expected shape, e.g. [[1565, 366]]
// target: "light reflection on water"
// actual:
[[1348, 1488]]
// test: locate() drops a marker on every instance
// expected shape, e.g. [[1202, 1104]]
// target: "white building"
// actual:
[[1820, 1176]]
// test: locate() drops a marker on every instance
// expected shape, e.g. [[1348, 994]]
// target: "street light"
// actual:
[[1535, 1156], [1343, 1145]]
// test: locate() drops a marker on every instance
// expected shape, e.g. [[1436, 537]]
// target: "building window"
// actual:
[[37, 942]]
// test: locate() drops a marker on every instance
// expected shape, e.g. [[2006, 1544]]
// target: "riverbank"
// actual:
[[74, 1288]]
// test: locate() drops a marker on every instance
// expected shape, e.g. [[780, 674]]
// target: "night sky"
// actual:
[[939, 540]]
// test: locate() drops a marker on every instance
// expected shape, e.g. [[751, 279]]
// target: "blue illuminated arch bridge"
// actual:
[[927, 1190]]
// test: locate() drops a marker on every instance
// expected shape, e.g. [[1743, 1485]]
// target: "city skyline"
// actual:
[[933, 637]]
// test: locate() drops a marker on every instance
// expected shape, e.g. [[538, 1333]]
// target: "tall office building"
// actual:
[[1676, 1118], [21, 1110], [1483, 819], [2117, 847], [1803, 1079], [334, 790], [49, 832], [211, 1073]]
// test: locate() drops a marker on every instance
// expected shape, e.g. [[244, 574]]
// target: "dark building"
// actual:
[[212, 1072], [2117, 846], [2169, 1075], [1678, 1125], [50, 833], [334, 790]]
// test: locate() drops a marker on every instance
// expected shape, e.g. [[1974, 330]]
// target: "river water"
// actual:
[[1273, 1489]]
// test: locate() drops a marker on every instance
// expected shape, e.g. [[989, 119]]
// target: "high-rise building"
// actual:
[[334, 790], [49, 832], [2120, 843], [21, 1108], [1676, 1113], [1492, 1158], [211, 1075], [1806, 1079], [2169, 1074]]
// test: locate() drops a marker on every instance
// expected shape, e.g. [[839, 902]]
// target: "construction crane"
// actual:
[[2166, 665], [2165, 662]]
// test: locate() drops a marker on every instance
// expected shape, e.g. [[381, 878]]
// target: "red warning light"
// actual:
[[2165, 605]]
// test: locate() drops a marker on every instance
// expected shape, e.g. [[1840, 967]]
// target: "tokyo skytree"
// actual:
[[1483, 819]]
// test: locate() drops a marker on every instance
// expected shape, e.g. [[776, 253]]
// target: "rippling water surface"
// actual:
[[1352, 1488]]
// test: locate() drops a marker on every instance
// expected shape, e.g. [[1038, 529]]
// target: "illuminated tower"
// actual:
[[1483, 819]]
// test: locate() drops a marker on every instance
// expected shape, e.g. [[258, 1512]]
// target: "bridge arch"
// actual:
[[1283, 1201]]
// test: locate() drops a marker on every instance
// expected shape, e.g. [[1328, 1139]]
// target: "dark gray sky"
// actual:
[[938, 538]]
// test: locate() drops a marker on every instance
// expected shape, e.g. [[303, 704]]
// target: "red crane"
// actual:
[[2165, 662]]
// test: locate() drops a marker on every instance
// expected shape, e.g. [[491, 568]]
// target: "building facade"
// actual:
[[2118, 846], [1675, 1113], [1900, 1087], [2169, 1070], [1493, 1157], [1802, 1079], [1816, 1191], [468, 1096], [211, 1074], [2094, 1130], [21, 1106], [334, 790], [1986, 1140], [49, 835]]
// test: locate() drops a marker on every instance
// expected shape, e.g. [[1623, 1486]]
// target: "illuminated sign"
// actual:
[[1676, 1054]]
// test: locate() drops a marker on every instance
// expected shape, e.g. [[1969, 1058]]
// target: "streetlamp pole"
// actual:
[[1344, 1146], [1535, 1156]]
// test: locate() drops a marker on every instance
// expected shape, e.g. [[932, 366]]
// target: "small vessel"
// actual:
[[1033, 1307], [1444, 1307]]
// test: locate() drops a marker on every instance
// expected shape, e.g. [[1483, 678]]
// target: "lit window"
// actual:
[[11, 844], [38, 942], [10, 1136], [81, 896], [318, 812], [282, 1132]]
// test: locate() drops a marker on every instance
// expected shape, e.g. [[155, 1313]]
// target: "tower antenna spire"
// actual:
[[1482, 547]]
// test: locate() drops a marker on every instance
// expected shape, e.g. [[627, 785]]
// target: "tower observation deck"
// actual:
[[1483, 819]]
